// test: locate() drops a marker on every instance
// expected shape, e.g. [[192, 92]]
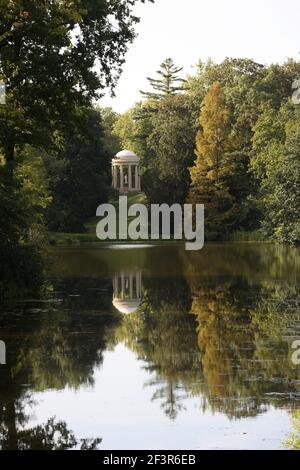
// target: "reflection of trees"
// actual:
[[51, 344], [50, 436], [255, 262], [223, 337], [241, 336], [68, 334], [236, 357], [163, 335], [292, 441]]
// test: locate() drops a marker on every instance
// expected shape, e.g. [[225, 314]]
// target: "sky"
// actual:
[[188, 30]]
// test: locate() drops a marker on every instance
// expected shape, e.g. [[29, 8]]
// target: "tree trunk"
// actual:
[[9, 153]]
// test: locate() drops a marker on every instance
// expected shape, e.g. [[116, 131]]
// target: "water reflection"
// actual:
[[51, 344], [127, 286], [204, 328], [292, 441]]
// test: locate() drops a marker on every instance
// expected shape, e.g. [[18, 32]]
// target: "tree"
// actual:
[[236, 77], [79, 177], [24, 196], [276, 166], [111, 142], [168, 83], [170, 152], [248, 87], [56, 56], [133, 132], [214, 167]]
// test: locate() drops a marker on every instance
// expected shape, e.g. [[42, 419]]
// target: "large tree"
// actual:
[[111, 141], [170, 152], [215, 166], [276, 166], [78, 177], [248, 87], [56, 56], [168, 81]]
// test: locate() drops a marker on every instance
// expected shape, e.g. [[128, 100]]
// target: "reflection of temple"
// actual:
[[127, 291], [2, 353]]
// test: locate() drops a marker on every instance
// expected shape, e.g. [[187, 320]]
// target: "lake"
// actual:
[[154, 347]]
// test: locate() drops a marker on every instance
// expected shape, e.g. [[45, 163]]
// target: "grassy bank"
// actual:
[[89, 233]]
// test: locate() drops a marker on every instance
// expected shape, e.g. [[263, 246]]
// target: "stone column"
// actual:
[[131, 286], [139, 180], [121, 177], [136, 183], [129, 178], [116, 286], [115, 177], [122, 287], [137, 285]]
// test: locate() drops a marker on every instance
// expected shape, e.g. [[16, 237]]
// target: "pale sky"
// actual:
[[188, 30]]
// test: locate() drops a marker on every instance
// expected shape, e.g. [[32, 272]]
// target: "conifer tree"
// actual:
[[168, 83], [214, 167]]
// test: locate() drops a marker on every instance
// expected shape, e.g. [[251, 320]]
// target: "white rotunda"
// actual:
[[127, 291], [126, 172]]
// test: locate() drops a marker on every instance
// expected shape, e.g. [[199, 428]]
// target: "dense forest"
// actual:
[[227, 137], [56, 58]]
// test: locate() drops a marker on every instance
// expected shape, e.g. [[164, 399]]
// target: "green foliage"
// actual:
[[23, 198], [78, 177], [163, 126], [111, 142], [160, 131], [211, 176], [48, 56], [132, 130], [249, 88], [169, 82], [276, 165], [170, 152], [56, 58]]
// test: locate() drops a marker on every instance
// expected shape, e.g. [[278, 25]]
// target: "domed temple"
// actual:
[[127, 291], [126, 172]]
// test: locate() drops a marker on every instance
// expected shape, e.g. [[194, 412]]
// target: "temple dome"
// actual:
[[126, 306], [128, 156]]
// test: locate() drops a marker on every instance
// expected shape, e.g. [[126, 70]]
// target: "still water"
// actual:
[[155, 348]]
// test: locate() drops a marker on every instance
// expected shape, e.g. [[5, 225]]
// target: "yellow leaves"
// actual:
[[211, 175], [10, 5], [215, 163], [212, 306], [293, 440]]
